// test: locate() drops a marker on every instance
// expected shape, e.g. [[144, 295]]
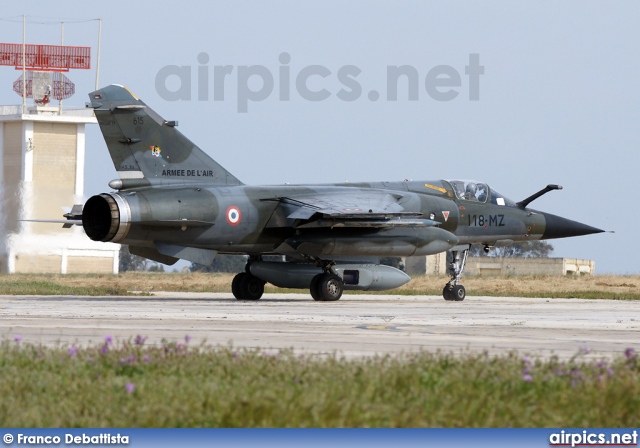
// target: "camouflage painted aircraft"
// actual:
[[174, 202]]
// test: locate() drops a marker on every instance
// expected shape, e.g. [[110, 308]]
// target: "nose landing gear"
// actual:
[[456, 261]]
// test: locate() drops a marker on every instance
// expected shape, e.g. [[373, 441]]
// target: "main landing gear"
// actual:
[[456, 260], [246, 286], [328, 286], [325, 287]]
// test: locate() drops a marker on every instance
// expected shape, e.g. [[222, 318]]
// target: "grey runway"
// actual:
[[357, 325]]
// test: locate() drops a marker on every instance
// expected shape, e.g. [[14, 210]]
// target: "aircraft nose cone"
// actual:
[[558, 227]]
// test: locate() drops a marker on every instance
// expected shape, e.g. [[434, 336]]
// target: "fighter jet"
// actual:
[[172, 201]]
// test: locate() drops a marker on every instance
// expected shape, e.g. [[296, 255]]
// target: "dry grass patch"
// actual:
[[592, 287], [607, 286]]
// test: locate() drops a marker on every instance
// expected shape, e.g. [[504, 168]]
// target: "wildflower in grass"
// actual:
[[130, 387], [187, 338], [17, 338], [610, 371], [528, 378], [128, 360], [108, 340], [601, 364], [584, 350], [89, 359], [73, 351], [104, 349], [577, 373], [528, 367], [146, 359], [630, 353], [576, 377], [601, 378], [139, 340]]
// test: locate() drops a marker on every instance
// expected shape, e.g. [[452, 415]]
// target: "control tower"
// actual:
[[42, 151]]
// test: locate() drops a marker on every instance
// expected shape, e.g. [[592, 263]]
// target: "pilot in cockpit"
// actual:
[[470, 192]]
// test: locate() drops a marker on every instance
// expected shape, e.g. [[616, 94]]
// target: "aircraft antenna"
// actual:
[[43, 68]]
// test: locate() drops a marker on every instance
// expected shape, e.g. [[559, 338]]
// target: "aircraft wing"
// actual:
[[373, 209]]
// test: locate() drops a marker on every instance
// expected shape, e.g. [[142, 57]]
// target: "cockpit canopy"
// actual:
[[474, 191], [470, 190]]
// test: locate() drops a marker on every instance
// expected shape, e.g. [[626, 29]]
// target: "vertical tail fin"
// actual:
[[145, 146]]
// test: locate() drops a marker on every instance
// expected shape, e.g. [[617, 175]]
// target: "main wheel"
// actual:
[[251, 287], [313, 287], [330, 288], [458, 293], [235, 285]]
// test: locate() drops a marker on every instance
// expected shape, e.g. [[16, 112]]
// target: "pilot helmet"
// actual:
[[471, 189]]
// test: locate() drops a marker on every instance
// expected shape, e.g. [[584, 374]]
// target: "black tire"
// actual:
[[235, 285], [447, 292], [251, 287], [330, 288], [313, 287], [459, 293]]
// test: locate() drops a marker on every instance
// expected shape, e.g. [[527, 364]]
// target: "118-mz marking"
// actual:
[[482, 220]]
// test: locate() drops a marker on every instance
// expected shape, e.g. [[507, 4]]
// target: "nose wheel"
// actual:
[[455, 293], [456, 261]]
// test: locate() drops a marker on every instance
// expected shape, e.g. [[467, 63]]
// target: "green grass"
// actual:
[[175, 385]]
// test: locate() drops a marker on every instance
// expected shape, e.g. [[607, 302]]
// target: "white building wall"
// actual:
[[3, 248], [27, 151], [80, 143], [38, 247], [1, 152]]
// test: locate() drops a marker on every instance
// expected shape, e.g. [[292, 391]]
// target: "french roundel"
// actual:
[[233, 215]]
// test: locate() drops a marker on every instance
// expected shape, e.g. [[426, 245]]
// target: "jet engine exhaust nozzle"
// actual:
[[106, 217]]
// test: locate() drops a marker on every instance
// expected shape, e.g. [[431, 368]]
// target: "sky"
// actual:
[[557, 98]]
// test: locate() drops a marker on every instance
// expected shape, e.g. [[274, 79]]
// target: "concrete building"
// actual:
[[436, 265], [41, 173], [426, 265], [529, 266]]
